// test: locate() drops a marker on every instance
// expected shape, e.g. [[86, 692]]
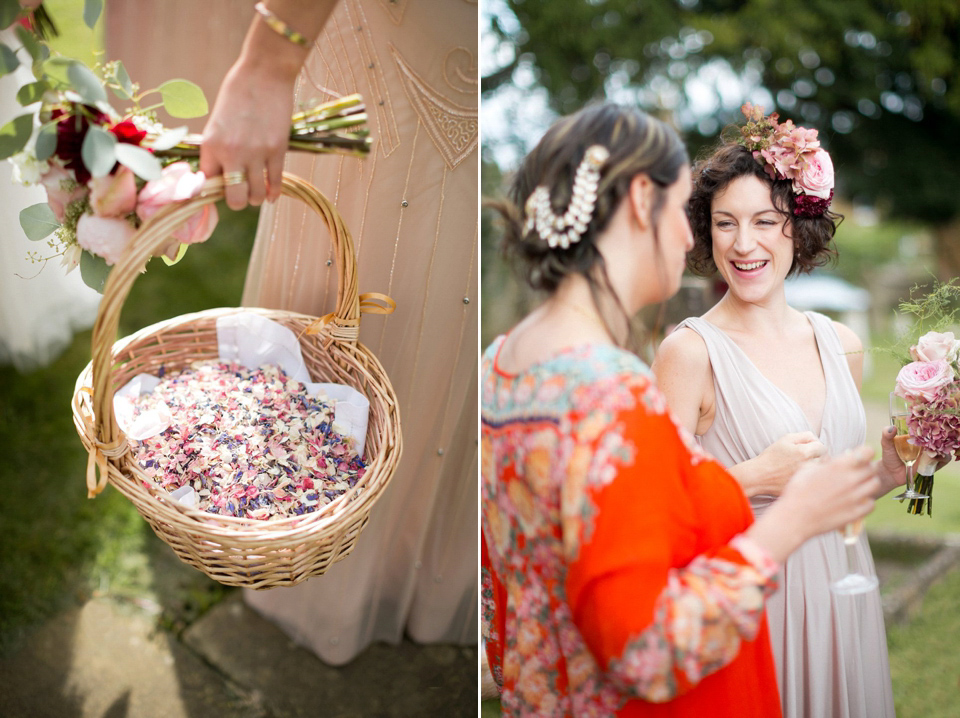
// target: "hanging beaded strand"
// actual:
[[569, 228]]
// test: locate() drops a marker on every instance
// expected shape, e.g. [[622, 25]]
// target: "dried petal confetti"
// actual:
[[251, 443]]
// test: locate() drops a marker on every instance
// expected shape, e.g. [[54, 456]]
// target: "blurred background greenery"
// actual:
[[879, 79]]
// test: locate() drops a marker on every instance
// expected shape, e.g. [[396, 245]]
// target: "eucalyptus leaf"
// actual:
[[183, 99], [139, 160], [30, 43], [9, 12], [99, 151], [93, 270], [14, 135], [8, 60], [38, 221], [124, 79], [180, 254], [86, 83], [91, 12], [46, 141], [32, 92], [170, 138]]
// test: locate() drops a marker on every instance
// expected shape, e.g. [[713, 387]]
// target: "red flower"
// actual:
[[127, 132], [71, 129]]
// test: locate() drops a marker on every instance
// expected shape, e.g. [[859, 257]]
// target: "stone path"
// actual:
[[108, 659]]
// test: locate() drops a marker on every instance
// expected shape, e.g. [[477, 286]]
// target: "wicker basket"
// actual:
[[235, 551]]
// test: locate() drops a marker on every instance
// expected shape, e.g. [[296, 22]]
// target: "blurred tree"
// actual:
[[879, 78]]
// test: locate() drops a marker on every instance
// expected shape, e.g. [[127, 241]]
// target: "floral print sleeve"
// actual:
[[662, 595]]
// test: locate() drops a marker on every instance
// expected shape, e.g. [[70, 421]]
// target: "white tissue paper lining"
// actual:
[[250, 340]]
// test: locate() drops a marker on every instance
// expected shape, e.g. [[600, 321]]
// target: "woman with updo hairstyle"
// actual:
[[769, 391], [623, 573]]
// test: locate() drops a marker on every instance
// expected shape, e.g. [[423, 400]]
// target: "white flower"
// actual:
[[71, 257], [27, 169]]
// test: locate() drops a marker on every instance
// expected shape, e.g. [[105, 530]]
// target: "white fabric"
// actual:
[[39, 309]]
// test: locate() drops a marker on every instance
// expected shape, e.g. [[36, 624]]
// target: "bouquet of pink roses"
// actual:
[[930, 384], [105, 171]]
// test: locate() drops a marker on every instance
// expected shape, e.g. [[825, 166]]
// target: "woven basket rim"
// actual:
[[258, 553]]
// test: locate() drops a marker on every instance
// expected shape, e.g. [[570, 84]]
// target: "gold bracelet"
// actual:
[[279, 26]]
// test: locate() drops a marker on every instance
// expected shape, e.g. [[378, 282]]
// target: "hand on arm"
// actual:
[[249, 127], [770, 471]]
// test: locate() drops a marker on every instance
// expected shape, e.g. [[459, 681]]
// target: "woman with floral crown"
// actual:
[[623, 573], [768, 389]]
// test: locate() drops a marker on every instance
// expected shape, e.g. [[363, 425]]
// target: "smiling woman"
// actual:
[[767, 389]]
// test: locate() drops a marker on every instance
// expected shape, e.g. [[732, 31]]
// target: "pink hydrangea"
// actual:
[[935, 424]]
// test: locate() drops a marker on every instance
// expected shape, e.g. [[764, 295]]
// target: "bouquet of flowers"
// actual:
[[106, 171], [930, 384]]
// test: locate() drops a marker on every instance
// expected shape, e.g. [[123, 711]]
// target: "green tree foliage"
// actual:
[[879, 78]]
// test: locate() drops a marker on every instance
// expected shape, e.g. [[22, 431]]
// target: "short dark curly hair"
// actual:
[[711, 175]]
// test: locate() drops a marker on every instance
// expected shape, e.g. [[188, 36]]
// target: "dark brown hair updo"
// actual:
[[637, 143], [811, 235]]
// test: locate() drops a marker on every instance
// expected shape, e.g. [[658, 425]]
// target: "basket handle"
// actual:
[[343, 324]]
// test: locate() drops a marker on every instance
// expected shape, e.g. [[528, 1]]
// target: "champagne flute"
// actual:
[[853, 583], [908, 453]]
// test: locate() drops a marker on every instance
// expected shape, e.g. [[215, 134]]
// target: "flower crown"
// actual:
[[787, 152]]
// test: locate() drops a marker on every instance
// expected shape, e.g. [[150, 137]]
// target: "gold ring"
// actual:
[[230, 178]]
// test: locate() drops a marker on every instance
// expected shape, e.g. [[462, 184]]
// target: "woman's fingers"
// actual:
[[236, 188]]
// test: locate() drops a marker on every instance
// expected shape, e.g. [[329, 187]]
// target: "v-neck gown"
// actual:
[[830, 651]]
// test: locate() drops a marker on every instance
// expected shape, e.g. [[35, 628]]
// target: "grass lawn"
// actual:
[[60, 547]]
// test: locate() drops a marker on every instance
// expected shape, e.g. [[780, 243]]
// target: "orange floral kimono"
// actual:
[[616, 579]]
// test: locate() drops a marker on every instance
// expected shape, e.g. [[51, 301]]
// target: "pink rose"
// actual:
[[177, 183], [815, 176], [54, 181], [933, 346], [115, 194], [920, 380], [106, 237]]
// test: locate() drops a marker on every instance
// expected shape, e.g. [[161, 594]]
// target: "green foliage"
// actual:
[[99, 151], [14, 135], [183, 99], [94, 271], [38, 221], [91, 12], [59, 546], [881, 80], [143, 163]]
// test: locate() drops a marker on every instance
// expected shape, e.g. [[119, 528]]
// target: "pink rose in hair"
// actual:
[[55, 180], [115, 194], [934, 346], [177, 183], [921, 380], [106, 237], [815, 177]]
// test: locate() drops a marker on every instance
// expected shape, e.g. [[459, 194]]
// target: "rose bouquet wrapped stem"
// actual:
[[337, 125], [930, 384], [106, 171]]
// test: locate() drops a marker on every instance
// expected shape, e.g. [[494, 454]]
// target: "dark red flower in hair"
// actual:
[[809, 206]]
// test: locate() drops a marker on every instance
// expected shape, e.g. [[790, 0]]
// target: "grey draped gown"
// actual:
[[830, 651]]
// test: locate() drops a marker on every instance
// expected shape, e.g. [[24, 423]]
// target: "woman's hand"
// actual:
[[821, 497], [248, 131], [769, 472]]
